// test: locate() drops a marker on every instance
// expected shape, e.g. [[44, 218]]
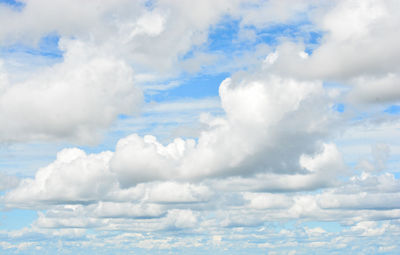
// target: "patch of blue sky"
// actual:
[[339, 107], [222, 36], [273, 34], [16, 5], [46, 47], [16, 219], [197, 86], [335, 85], [288, 225], [312, 41], [226, 36], [393, 109]]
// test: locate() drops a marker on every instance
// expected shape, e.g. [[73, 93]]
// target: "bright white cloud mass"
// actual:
[[199, 127]]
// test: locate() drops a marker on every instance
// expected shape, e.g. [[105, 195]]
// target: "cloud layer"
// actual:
[[297, 151]]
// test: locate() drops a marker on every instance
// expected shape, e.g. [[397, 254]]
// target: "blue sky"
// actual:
[[207, 127]]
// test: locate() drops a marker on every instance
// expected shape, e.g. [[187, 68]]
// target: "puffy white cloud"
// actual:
[[71, 100], [374, 192], [73, 177], [181, 219], [369, 228], [139, 159], [357, 47], [86, 179], [385, 182], [329, 161], [359, 40]]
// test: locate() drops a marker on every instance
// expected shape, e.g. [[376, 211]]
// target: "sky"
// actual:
[[199, 127]]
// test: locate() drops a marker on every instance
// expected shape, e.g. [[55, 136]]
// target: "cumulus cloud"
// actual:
[[73, 176], [376, 192], [71, 100], [358, 40], [357, 47], [264, 117]]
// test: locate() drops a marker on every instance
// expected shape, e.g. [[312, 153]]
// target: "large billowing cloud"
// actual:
[[70, 100], [270, 123]]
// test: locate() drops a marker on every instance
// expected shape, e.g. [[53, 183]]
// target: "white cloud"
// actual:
[[369, 228], [68, 18], [381, 89], [374, 192], [151, 24], [324, 168], [126, 210], [360, 201], [268, 200], [359, 40], [358, 48], [264, 115], [181, 219], [170, 192], [74, 100], [312, 232], [139, 159], [73, 177]]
